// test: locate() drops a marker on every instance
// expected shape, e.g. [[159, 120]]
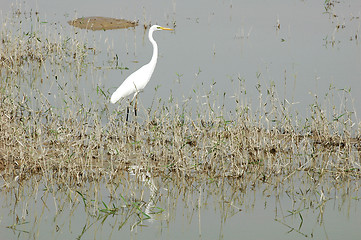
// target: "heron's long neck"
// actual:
[[153, 61]]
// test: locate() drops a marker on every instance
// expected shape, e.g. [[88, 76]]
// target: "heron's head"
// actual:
[[157, 28]]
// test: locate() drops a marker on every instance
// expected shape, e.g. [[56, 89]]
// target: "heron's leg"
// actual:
[[135, 105], [135, 95], [127, 113]]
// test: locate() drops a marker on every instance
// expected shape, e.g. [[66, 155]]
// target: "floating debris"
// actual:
[[101, 23]]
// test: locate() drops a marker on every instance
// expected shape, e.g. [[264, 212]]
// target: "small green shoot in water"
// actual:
[[99, 90], [136, 205], [109, 211]]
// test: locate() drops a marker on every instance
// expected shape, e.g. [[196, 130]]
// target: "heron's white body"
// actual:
[[137, 81]]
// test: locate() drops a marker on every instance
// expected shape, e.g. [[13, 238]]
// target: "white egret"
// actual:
[[137, 81]]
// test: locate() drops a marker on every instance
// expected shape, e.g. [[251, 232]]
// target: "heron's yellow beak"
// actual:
[[169, 29]]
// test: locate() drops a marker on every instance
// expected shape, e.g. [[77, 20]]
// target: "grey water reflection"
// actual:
[[139, 205]]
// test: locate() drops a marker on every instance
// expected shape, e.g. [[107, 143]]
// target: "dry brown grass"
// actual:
[[26, 41], [79, 144], [77, 148]]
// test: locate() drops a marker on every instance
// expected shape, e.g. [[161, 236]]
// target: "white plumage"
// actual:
[[137, 81]]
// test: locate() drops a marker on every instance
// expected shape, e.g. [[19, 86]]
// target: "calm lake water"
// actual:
[[304, 48], [228, 48], [204, 209]]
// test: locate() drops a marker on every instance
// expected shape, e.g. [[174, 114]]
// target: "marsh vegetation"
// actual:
[[81, 158]]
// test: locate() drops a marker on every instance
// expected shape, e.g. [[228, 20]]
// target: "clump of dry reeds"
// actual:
[[26, 40], [79, 146]]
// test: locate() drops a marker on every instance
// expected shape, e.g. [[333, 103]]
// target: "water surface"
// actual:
[[219, 49]]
